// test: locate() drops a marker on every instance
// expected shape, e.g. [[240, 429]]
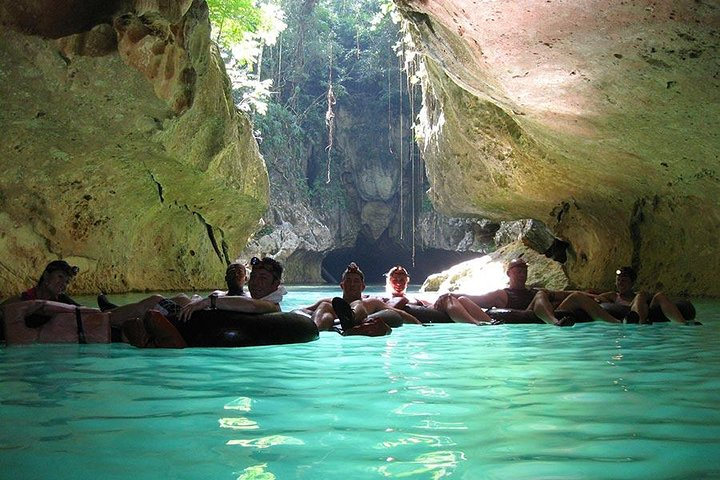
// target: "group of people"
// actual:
[[635, 306], [134, 322], [349, 310]]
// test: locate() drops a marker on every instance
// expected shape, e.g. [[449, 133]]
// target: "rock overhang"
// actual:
[[598, 119]]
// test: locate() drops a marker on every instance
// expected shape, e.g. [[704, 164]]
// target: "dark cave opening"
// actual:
[[376, 257]]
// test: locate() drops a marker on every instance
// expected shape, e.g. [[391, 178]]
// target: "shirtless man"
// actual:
[[638, 304], [323, 312], [467, 308]]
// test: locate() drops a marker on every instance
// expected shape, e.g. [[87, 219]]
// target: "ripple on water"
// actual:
[[592, 401]]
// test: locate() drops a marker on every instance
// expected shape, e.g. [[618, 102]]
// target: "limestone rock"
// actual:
[[599, 120], [122, 151], [487, 273]]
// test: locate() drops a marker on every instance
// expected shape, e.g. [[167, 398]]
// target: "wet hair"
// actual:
[[62, 265], [231, 277], [396, 270], [627, 272], [269, 264], [353, 268], [516, 262]]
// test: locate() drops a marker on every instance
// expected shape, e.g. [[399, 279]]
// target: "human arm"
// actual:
[[309, 310], [49, 307], [607, 297], [229, 303], [496, 299], [375, 305]]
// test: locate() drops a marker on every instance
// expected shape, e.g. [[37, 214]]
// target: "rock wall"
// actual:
[[122, 151], [600, 120], [365, 214]]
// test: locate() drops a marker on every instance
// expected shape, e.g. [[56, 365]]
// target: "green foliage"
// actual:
[[347, 44], [328, 196], [264, 230], [242, 28], [232, 19]]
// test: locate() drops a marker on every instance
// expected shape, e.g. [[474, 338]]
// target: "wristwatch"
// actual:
[[213, 299]]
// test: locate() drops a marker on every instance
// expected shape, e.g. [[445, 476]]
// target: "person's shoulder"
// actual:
[[374, 303], [500, 292], [13, 299]]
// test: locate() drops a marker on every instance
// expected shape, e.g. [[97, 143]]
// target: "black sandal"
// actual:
[[344, 313]]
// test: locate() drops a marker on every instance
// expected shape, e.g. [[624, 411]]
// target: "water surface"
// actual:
[[501, 402]]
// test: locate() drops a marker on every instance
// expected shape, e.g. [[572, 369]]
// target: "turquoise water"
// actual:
[[445, 401]]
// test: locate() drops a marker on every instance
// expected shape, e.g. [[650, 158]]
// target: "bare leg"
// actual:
[[360, 313], [543, 309], [324, 316], [668, 308], [123, 313], [464, 310], [578, 301], [639, 305]]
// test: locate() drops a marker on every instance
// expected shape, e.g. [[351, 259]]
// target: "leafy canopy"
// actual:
[[233, 18]]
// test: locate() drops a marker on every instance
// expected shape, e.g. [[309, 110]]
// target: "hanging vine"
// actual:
[[402, 160], [330, 117]]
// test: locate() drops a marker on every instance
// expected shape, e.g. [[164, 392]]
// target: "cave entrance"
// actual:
[[376, 257]]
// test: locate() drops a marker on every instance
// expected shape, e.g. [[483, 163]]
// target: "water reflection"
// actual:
[[433, 465]]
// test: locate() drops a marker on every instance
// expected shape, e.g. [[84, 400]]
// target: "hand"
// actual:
[[442, 301], [191, 307]]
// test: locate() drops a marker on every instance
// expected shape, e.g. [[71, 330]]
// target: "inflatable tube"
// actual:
[[391, 318], [685, 306], [222, 328], [513, 317], [427, 314], [655, 314], [504, 315], [510, 316], [21, 329]]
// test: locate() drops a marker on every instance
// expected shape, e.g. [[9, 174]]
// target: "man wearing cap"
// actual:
[[638, 304], [352, 309], [264, 285], [467, 308], [265, 294]]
